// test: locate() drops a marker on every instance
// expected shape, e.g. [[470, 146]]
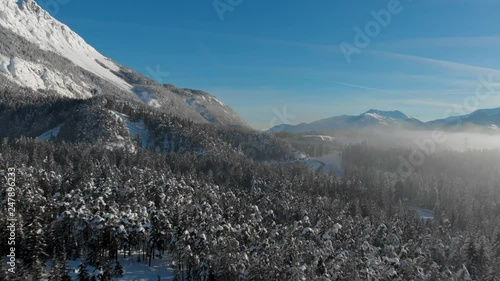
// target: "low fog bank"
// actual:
[[437, 140]]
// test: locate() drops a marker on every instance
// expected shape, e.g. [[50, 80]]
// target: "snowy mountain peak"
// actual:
[[27, 19], [398, 115], [371, 118], [29, 4], [42, 54]]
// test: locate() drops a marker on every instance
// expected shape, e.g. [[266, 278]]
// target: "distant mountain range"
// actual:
[[484, 117], [487, 118]]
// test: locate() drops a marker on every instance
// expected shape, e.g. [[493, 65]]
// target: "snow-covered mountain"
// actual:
[[371, 118], [397, 115], [28, 20], [484, 117], [40, 53]]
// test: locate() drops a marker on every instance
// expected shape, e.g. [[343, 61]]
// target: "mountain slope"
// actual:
[[27, 19], [482, 117], [40, 53], [194, 105], [371, 118]]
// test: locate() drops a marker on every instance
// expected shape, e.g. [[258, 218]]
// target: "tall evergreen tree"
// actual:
[[83, 274], [117, 269], [3, 272], [482, 262], [34, 247], [106, 272], [493, 273], [496, 246]]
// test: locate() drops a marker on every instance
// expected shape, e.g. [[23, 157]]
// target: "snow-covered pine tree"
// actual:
[[83, 274], [482, 262], [55, 273], [106, 272], [117, 269], [59, 270], [92, 253], [496, 246], [473, 259], [34, 247], [493, 273], [3, 272]]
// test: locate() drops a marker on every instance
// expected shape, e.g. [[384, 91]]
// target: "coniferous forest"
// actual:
[[219, 203]]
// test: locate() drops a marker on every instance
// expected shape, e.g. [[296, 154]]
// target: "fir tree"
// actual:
[[53, 273], [496, 246], [493, 273], [473, 259], [83, 274], [34, 250], [106, 272], [36, 270], [59, 270], [3, 272], [118, 270], [482, 262]]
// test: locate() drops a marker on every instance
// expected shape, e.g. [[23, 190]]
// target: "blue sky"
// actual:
[[281, 61]]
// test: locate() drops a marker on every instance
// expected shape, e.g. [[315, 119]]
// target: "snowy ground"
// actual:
[[137, 128], [38, 76], [327, 163], [323, 138], [423, 214], [133, 270], [147, 97], [52, 133]]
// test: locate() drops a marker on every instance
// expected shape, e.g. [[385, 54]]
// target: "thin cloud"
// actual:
[[360, 87], [446, 42], [426, 103], [455, 66]]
